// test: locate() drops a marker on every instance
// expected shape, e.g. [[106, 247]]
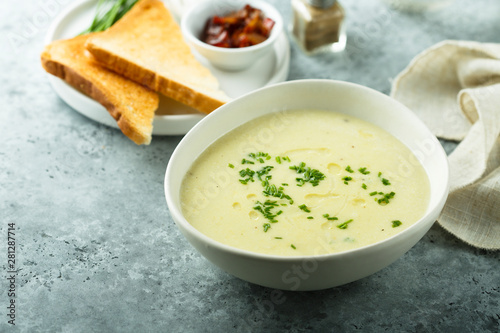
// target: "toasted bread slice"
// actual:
[[146, 46], [130, 104]]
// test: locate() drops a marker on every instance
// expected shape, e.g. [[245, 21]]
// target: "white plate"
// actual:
[[172, 118]]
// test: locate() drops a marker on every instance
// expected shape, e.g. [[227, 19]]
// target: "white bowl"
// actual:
[[321, 271], [233, 59]]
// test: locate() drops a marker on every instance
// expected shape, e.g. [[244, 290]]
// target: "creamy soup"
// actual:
[[304, 182]]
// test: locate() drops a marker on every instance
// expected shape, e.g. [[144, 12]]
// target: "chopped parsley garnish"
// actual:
[[386, 197], [293, 246], [330, 218], [344, 225], [266, 209], [264, 171], [270, 190], [304, 208], [270, 209], [248, 173], [396, 223], [309, 175], [363, 171], [383, 180], [259, 156], [346, 179], [284, 158]]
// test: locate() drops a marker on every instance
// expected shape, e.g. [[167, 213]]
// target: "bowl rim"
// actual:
[[185, 226], [266, 7]]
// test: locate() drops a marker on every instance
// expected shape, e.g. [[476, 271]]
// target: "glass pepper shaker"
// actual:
[[318, 25]]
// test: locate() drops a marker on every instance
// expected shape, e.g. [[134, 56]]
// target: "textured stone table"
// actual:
[[96, 249]]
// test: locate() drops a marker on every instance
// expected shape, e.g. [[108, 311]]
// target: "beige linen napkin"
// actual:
[[454, 87]]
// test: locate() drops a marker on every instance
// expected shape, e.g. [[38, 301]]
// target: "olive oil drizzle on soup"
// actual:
[[304, 182]]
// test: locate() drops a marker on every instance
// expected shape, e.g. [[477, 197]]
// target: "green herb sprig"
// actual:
[[108, 13]]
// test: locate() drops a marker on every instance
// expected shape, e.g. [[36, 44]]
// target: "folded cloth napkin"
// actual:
[[454, 87]]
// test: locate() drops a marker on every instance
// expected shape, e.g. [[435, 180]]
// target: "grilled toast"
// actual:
[[146, 45], [130, 104]]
